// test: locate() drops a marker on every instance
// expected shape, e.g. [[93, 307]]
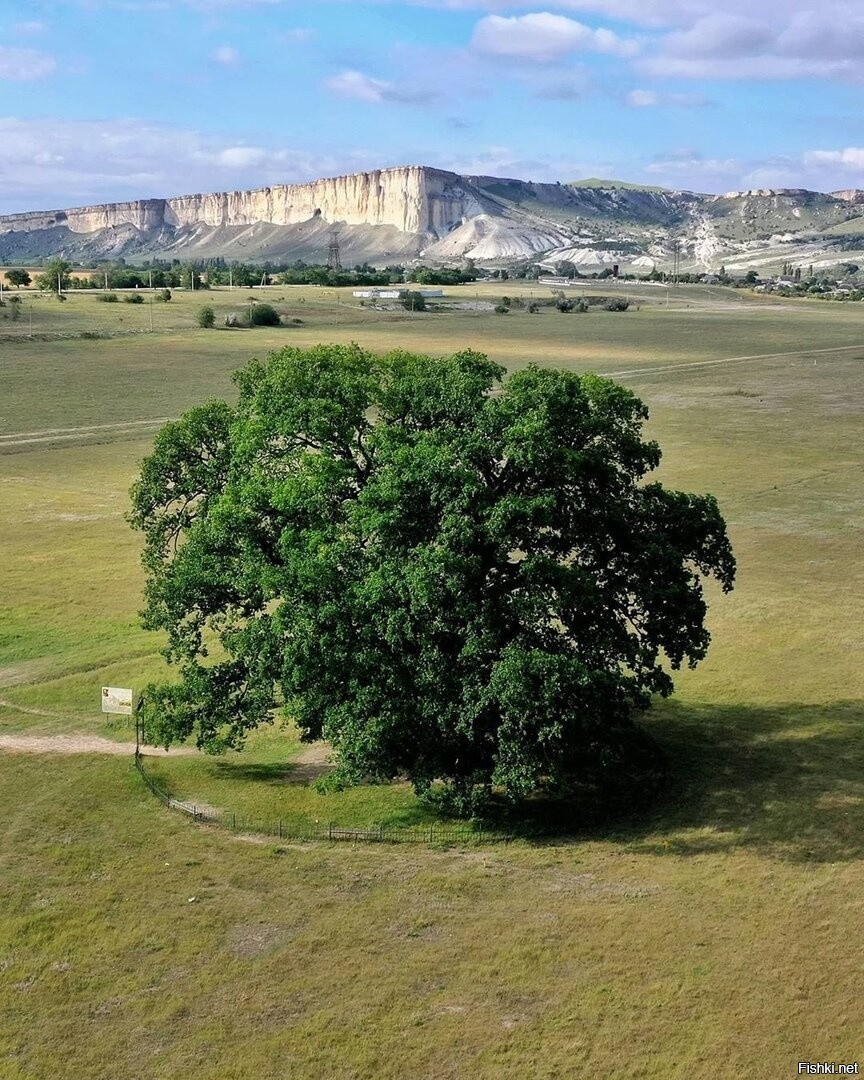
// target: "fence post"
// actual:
[[280, 828], [329, 830], [234, 821]]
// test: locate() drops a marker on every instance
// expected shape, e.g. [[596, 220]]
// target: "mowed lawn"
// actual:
[[720, 935]]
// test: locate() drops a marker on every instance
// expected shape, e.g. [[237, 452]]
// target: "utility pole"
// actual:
[[106, 281], [151, 281], [230, 279]]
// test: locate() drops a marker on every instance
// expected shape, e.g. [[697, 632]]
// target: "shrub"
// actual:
[[505, 301], [502, 309], [617, 303], [135, 298], [581, 304], [533, 307], [107, 297], [413, 301], [264, 315], [206, 318], [164, 296], [234, 319], [564, 305]]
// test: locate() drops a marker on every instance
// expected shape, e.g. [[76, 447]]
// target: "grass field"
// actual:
[[719, 936]]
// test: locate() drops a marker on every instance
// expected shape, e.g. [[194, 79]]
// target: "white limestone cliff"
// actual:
[[413, 199]]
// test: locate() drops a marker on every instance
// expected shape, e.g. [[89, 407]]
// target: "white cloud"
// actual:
[[298, 35], [642, 99], [851, 158], [814, 170], [24, 65], [354, 84], [721, 35], [789, 43], [48, 164], [30, 28], [689, 39], [509, 161], [543, 36], [362, 87], [241, 157], [643, 12], [648, 99], [689, 169], [226, 55]]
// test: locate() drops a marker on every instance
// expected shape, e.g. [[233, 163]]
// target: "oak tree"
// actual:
[[449, 575]]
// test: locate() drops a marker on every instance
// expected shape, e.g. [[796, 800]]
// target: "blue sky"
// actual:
[[102, 100]]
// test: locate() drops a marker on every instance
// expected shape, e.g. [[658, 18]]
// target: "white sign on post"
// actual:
[[116, 699]]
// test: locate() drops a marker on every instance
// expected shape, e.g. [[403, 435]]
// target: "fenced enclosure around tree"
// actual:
[[282, 830]]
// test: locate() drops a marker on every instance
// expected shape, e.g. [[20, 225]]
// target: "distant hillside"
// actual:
[[596, 182], [416, 212]]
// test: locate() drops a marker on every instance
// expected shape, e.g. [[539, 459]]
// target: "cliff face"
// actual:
[[403, 213], [412, 199], [144, 214]]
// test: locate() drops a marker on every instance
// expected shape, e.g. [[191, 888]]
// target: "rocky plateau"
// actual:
[[417, 212]]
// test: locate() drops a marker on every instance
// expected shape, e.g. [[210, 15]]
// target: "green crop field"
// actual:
[[719, 936]]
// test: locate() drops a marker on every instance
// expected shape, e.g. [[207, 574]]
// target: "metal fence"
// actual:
[[380, 834]]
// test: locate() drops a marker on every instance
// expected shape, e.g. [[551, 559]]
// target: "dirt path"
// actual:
[[312, 761], [648, 370], [81, 744], [23, 438]]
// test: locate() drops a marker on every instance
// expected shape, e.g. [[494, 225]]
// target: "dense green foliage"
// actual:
[[443, 582], [264, 315], [444, 275], [206, 318], [55, 277], [18, 277], [413, 301]]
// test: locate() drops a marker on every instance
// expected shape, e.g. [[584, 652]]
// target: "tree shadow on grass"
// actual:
[[278, 774], [786, 781]]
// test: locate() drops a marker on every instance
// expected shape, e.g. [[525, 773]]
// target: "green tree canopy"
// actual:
[[18, 277], [55, 276], [446, 575]]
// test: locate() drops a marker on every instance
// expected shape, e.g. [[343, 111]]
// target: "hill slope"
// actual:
[[416, 211]]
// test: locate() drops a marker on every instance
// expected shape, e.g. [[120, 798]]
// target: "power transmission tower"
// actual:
[[333, 260]]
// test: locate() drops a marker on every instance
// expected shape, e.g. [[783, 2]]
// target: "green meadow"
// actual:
[[720, 934]]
